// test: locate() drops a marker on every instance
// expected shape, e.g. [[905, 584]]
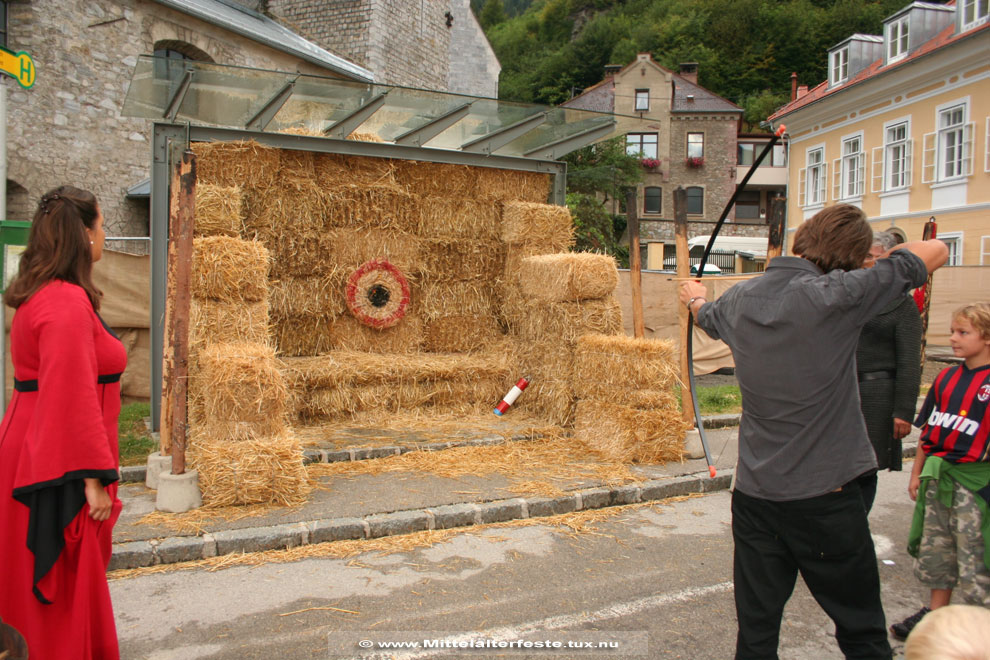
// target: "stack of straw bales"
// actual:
[[549, 300], [237, 402], [626, 409]]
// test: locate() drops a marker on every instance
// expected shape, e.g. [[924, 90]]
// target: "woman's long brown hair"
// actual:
[[58, 246]]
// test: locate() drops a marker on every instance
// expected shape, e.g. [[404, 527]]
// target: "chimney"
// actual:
[[802, 90], [612, 69], [689, 71], [793, 85]]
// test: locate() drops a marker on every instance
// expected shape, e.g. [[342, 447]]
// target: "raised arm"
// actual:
[[933, 252]]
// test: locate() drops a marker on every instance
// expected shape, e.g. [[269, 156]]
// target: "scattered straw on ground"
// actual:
[[578, 522]]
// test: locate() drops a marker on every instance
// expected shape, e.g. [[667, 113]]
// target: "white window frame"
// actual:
[[642, 101], [978, 17], [955, 140], [954, 241], [985, 250], [838, 66], [820, 174], [897, 36], [701, 143], [849, 169], [884, 175]]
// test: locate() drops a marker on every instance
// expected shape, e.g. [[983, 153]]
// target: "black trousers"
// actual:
[[827, 539]]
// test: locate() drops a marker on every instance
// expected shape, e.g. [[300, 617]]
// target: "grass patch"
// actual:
[[135, 439], [719, 399]]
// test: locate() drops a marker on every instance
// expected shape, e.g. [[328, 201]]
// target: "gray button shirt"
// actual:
[[793, 333]]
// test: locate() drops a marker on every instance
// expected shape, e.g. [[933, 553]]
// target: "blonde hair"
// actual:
[[978, 314], [953, 632]]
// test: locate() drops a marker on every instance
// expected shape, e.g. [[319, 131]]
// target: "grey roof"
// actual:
[[140, 189], [264, 30], [704, 100], [600, 97]]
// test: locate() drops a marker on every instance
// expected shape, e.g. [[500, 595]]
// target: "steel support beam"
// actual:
[[264, 116], [349, 124], [564, 146], [417, 137], [178, 96], [491, 142]]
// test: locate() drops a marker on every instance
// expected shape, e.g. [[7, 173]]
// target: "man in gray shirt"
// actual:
[[805, 461]]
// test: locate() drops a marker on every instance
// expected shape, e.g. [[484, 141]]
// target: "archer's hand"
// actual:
[[98, 499], [691, 289], [901, 428]]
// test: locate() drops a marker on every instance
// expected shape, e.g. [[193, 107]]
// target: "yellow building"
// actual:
[[901, 128]]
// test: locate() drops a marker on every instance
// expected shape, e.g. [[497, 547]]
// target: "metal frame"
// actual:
[[417, 137], [164, 134], [268, 111], [349, 124], [493, 141]]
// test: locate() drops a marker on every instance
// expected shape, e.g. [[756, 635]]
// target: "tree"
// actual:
[[492, 13]]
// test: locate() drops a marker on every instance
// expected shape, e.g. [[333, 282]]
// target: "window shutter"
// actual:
[[909, 162], [837, 179], [929, 142], [876, 170], [822, 182], [802, 186], [967, 165], [986, 149]]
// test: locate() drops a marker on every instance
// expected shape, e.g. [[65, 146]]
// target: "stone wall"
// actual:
[[68, 128], [718, 174], [402, 42], [474, 68], [651, 231]]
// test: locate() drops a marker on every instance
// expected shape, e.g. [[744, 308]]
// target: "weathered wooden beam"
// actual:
[[683, 271], [635, 264]]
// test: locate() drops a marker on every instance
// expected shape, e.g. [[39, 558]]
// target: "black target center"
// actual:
[[378, 295]]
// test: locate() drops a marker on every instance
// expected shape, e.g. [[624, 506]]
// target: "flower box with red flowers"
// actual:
[[695, 161], [650, 163]]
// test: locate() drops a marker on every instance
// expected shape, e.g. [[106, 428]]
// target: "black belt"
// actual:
[[877, 375], [32, 385]]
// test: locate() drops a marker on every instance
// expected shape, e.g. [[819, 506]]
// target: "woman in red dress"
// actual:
[[58, 442]]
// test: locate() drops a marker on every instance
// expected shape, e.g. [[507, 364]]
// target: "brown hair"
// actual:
[[978, 314], [838, 237], [58, 246]]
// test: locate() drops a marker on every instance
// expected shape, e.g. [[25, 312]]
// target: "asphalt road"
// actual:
[[654, 580]]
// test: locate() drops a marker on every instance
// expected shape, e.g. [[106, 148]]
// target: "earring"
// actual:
[[91, 242]]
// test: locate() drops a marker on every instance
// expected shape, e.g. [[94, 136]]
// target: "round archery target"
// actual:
[[378, 294]]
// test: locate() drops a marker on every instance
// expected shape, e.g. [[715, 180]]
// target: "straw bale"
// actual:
[[219, 210], [459, 217], [365, 137], [290, 205], [460, 334], [333, 170], [300, 129], [462, 259], [214, 321], [378, 206], [302, 334], [437, 299], [243, 384], [625, 434], [447, 180], [606, 365], [262, 469], [295, 163], [529, 223], [229, 269], [350, 248], [568, 276], [545, 359], [238, 163], [513, 185], [347, 333], [565, 320], [318, 295], [551, 399]]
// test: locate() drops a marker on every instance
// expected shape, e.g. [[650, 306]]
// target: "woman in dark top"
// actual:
[[888, 362]]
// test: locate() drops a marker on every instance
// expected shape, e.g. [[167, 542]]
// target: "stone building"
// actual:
[[68, 127], [690, 140]]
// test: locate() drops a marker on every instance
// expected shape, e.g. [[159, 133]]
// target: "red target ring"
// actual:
[[377, 294]]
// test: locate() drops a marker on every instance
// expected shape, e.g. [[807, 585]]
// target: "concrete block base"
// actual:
[[156, 465], [692, 444], [178, 493]]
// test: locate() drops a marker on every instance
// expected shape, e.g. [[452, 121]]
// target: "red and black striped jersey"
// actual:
[[953, 419]]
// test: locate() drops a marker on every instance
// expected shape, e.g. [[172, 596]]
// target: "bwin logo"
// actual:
[[955, 422]]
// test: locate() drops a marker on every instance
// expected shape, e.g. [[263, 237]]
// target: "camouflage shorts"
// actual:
[[951, 552]]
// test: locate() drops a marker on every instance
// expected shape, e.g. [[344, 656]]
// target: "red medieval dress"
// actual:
[[60, 427]]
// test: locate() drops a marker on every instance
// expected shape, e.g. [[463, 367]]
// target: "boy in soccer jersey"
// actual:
[[950, 533]]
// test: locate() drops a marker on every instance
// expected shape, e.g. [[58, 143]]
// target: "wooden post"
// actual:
[[775, 236], [683, 271], [175, 369], [635, 265]]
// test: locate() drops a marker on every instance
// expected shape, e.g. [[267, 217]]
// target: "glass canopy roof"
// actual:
[[207, 94]]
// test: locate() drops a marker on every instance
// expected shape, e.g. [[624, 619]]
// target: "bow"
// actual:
[[701, 273]]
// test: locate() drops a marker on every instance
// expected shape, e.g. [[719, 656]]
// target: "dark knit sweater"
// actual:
[[890, 342]]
